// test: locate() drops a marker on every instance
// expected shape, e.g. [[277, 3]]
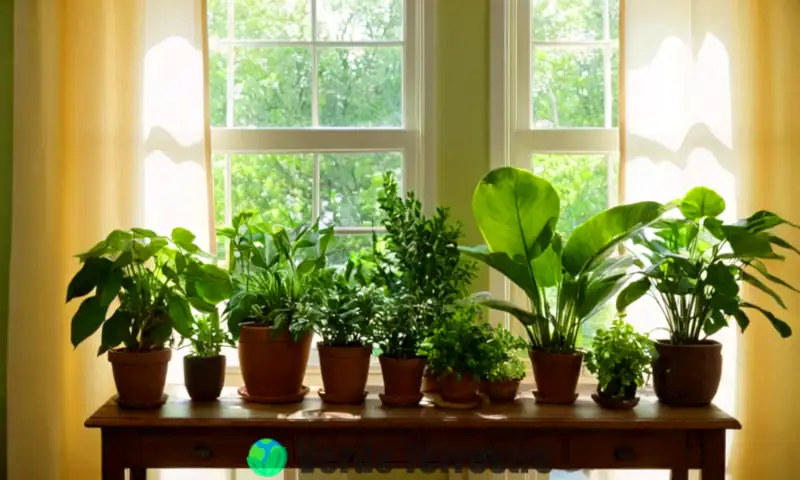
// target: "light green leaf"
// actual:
[[214, 285], [547, 267], [597, 293], [515, 271], [144, 232], [632, 292], [524, 316], [702, 202]]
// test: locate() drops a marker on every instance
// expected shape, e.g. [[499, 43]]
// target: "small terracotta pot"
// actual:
[[402, 377], [502, 391], [140, 376], [204, 377], [458, 390], [429, 381], [273, 363], [556, 376], [344, 372], [687, 375]]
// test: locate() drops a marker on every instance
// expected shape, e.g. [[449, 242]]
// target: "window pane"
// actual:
[[278, 186], [350, 184], [217, 19], [272, 87], [613, 13], [360, 87], [345, 245], [568, 88], [218, 86], [615, 87], [272, 19], [567, 19], [359, 20], [218, 176]]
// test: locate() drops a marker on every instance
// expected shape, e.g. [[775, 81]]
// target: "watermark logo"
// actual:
[[267, 457]]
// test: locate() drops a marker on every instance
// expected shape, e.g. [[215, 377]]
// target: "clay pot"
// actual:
[[140, 376], [344, 372], [429, 381], [556, 376], [687, 375], [273, 363], [402, 380], [502, 391], [204, 377], [458, 390]]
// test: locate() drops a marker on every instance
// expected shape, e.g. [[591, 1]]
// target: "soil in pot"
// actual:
[[556, 376], [687, 375], [273, 363], [140, 377], [502, 391], [454, 388], [344, 373], [402, 380], [204, 377]]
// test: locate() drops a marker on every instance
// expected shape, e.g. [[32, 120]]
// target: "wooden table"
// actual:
[[515, 437]]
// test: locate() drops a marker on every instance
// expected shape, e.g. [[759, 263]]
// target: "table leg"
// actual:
[[138, 474], [714, 455], [112, 471], [680, 474]]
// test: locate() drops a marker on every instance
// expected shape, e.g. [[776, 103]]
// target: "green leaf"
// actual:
[[741, 319], [516, 212], [182, 236], [515, 271], [215, 284], [88, 276], [746, 244], [125, 259], [143, 232], [762, 269], [632, 292], [116, 330], [524, 316], [180, 262], [754, 281], [776, 240], [87, 320], [181, 315], [100, 249], [597, 293], [109, 287], [547, 267], [715, 323], [720, 276], [782, 327], [119, 240], [201, 305], [764, 220], [701, 202]]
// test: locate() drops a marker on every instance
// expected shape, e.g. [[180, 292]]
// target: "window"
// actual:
[[555, 105], [312, 101]]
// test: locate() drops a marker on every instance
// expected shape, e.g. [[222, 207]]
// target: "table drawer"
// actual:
[[197, 451], [650, 449]]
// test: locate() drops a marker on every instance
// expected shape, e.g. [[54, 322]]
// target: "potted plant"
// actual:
[[517, 213], [621, 359], [507, 368], [344, 319], [154, 279], [459, 351], [273, 271], [423, 275], [204, 367], [693, 266]]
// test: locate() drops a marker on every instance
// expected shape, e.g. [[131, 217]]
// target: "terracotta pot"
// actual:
[[483, 386], [402, 377], [344, 372], [502, 391], [556, 376], [687, 375], [204, 377], [273, 363], [429, 381], [140, 376], [458, 390]]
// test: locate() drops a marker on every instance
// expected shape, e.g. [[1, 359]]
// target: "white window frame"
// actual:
[[415, 138], [514, 140]]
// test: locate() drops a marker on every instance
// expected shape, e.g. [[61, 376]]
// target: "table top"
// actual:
[[524, 412]]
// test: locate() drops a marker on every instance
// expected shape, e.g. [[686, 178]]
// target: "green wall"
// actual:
[[6, 135]]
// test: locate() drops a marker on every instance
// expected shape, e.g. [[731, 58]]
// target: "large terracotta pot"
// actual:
[[402, 380], [344, 373], [556, 376], [458, 390], [204, 377], [502, 391], [140, 376], [687, 375], [273, 363]]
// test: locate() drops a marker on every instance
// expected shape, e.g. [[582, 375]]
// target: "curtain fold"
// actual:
[[85, 160]]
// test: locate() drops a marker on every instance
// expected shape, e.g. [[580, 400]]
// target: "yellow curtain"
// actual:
[[767, 82], [94, 132]]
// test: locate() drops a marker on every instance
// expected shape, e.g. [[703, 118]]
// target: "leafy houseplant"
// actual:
[[423, 274], [274, 270], [508, 369], [692, 267], [621, 359], [517, 213], [204, 367], [155, 279]]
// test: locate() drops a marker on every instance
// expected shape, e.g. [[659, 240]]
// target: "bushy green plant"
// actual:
[[517, 213], [459, 344], [693, 266], [620, 357], [421, 269], [156, 280], [207, 336], [507, 358]]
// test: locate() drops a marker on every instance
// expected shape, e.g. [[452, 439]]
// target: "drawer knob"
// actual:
[[202, 451], [623, 453]]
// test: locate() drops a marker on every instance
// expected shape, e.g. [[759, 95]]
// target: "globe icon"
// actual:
[[267, 457]]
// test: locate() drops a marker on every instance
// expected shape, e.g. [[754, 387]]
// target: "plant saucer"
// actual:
[[615, 403], [141, 405], [411, 400], [341, 399], [294, 398], [565, 400]]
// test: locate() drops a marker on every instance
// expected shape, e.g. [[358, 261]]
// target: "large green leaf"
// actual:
[[109, 286], [747, 244], [116, 330], [515, 271], [547, 267], [214, 285], [88, 277], [702, 202], [756, 282], [762, 269], [516, 212], [181, 315], [597, 293], [764, 220], [632, 292], [87, 319], [597, 237], [524, 316], [782, 327]]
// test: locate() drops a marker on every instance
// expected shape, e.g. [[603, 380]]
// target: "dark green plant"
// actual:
[[508, 352], [459, 344], [421, 269], [693, 267], [517, 213], [620, 357], [156, 280], [207, 336], [273, 270]]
